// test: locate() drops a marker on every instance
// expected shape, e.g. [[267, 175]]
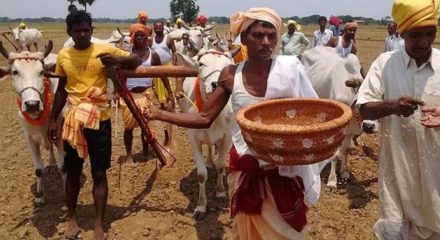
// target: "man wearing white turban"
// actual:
[[267, 201], [397, 85]]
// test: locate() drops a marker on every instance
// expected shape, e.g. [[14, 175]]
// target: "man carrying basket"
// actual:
[[276, 208]]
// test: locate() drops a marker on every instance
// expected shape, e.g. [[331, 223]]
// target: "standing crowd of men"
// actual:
[[266, 202]]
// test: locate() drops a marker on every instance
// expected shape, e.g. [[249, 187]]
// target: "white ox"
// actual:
[[26, 37], [27, 72], [209, 65], [338, 78]]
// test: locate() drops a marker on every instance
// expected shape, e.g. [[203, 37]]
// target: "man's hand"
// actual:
[[53, 132], [432, 117], [151, 112], [405, 106], [108, 60], [171, 103]]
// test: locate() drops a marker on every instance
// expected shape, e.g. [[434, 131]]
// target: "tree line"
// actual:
[[313, 19], [188, 11]]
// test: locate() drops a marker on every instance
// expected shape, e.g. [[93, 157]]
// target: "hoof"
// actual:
[[345, 176], [129, 159], [39, 202], [198, 215], [221, 198], [51, 169], [210, 165], [331, 190], [332, 184]]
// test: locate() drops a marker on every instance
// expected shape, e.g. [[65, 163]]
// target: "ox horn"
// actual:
[[11, 42], [119, 31], [48, 48], [10, 28], [216, 34], [3, 50]]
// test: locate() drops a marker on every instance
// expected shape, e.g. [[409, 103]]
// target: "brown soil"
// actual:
[[150, 203]]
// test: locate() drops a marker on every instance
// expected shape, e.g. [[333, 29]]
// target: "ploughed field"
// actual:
[[150, 203]]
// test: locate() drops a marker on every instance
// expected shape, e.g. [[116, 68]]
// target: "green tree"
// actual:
[[85, 3], [72, 7], [185, 9]]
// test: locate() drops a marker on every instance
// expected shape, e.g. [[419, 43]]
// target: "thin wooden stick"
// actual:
[[154, 71], [125, 94]]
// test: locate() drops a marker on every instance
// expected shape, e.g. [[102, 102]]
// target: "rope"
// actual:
[[47, 106], [198, 95], [188, 99]]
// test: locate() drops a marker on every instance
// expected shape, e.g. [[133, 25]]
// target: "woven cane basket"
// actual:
[[294, 131]]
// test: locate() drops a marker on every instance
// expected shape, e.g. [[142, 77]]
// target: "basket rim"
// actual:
[[288, 129]]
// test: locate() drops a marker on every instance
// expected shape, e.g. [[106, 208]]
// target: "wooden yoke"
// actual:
[[124, 93], [153, 71], [161, 71]]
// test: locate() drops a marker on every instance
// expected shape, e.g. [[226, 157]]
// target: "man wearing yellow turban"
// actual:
[[293, 42], [397, 85], [267, 201]]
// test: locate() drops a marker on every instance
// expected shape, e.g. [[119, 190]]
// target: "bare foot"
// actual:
[[129, 159], [145, 154], [73, 230], [99, 234]]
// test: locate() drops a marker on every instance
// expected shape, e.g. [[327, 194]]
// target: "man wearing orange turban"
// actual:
[[240, 21], [143, 17], [141, 88], [138, 27], [267, 201], [345, 44], [397, 85]]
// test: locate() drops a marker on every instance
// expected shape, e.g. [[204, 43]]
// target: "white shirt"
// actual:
[[393, 42], [343, 52], [409, 160], [293, 45], [162, 50], [321, 38]]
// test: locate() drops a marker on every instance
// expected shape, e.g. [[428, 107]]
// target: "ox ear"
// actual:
[[234, 51], [4, 71], [183, 60], [203, 33]]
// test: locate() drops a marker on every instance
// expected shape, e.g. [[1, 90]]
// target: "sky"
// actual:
[[123, 9]]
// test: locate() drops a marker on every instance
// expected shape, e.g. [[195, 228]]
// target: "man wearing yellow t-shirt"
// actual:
[[87, 126]]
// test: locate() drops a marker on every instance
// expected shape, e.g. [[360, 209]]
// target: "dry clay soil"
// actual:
[[146, 202]]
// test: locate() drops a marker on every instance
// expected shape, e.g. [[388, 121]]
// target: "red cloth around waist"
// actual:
[[248, 196]]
